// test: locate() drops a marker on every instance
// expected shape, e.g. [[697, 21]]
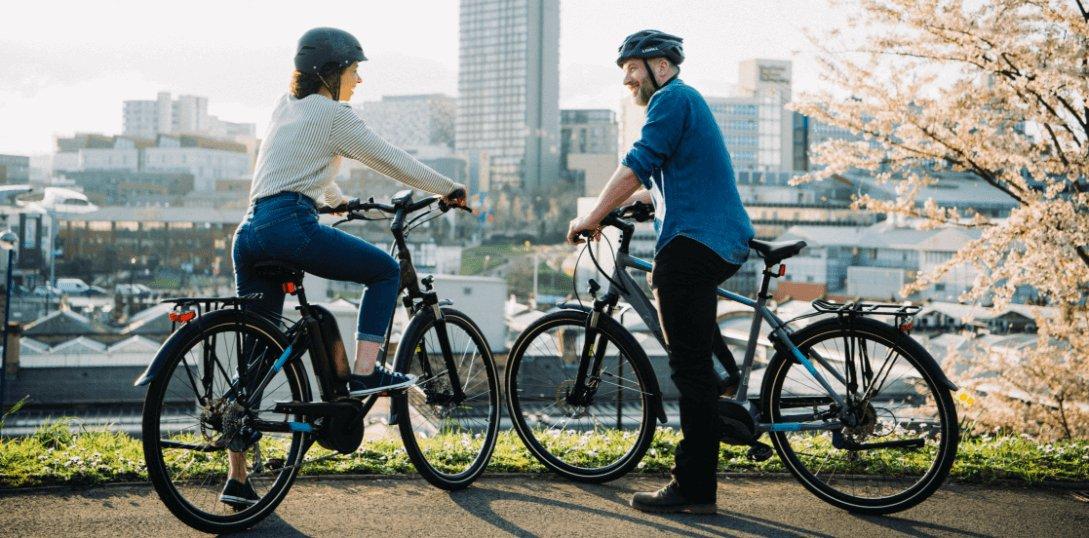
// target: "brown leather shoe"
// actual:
[[669, 500]]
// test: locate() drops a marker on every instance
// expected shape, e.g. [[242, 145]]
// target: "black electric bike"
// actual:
[[232, 382]]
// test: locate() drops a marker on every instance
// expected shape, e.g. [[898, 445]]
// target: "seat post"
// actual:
[[300, 292], [763, 295]]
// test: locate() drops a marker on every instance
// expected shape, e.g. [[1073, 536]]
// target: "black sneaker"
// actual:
[[239, 495], [667, 500], [381, 380]]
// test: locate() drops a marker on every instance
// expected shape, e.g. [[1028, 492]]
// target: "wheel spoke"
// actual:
[[589, 434], [890, 445], [449, 441], [188, 459]]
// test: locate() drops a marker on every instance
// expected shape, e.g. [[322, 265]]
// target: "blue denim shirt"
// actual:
[[682, 159]]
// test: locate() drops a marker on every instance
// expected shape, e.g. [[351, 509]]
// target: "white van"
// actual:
[[72, 286]]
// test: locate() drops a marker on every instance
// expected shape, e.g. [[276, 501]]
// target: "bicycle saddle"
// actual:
[[280, 271], [776, 252]]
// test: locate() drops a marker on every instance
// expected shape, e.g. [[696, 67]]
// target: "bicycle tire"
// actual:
[[929, 375], [175, 349], [626, 345], [443, 474]]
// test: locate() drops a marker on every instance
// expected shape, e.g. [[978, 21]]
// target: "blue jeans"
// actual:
[[284, 227]]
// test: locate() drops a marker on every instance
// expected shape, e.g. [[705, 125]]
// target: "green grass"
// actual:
[[53, 455], [472, 258]]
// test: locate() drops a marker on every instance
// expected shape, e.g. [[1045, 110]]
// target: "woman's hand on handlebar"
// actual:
[[341, 209], [581, 228], [456, 198]]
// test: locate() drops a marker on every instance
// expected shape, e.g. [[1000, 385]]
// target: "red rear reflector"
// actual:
[[906, 327], [181, 317], [289, 287], [782, 269]]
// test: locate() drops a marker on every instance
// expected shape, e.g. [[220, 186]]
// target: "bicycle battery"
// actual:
[[332, 353]]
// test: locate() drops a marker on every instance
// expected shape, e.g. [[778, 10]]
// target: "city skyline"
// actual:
[[77, 80]]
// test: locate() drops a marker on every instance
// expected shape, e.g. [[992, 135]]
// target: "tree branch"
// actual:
[[983, 173], [1055, 142]]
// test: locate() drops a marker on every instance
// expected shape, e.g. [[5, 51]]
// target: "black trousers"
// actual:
[[686, 273]]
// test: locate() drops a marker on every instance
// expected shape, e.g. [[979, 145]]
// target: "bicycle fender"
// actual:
[[199, 324], [163, 354]]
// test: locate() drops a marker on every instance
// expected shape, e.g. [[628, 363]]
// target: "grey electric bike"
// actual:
[[856, 409]]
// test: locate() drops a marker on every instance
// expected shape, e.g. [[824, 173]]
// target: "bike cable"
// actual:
[[615, 285]]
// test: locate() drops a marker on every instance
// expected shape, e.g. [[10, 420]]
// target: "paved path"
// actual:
[[540, 506]]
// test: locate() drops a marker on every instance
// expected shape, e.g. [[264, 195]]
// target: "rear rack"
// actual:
[[902, 313], [860, 308]]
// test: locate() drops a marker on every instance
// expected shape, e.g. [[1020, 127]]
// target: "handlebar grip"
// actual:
[[351, 205], [457, 195]]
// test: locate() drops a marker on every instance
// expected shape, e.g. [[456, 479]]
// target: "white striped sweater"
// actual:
[[305, 141]]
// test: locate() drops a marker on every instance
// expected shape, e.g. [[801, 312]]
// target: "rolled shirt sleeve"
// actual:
[[660, 136]]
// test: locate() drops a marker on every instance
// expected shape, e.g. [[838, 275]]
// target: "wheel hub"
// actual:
[[570, 402], [865, 423]]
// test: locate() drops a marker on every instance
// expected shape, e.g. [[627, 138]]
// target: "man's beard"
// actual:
[[643, 95]]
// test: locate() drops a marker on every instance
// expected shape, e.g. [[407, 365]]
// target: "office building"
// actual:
[[14, 169], [508, 120], [588, 147], [188, 114], [205, 159], [412, 121]]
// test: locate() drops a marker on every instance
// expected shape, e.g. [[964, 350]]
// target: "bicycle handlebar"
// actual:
[[355, 206]]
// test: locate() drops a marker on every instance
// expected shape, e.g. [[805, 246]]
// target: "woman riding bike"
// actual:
[[311, 129]]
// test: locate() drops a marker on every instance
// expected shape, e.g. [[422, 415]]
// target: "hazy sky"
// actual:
[[67, 66]]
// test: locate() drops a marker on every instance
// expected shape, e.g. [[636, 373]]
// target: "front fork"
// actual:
[[457, 394], [592, 354]]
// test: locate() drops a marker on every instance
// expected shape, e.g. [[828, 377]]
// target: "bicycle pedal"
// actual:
[[759, 452]]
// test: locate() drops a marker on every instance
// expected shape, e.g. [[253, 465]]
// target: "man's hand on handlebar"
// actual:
[[580, 228]]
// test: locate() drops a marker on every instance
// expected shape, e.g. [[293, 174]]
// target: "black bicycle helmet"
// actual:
[[647, 44], [651, 44], [320, 47]]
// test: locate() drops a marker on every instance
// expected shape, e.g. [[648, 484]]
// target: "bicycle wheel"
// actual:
[[189, 419], [449, 437], [905, 435], [595, 438]]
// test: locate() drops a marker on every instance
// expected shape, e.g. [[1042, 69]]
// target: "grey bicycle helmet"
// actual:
[[321, 47]]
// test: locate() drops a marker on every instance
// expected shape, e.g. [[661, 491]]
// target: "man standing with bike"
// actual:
[[682, 164]]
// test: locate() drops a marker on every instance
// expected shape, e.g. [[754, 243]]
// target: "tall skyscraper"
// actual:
[[508, 121]]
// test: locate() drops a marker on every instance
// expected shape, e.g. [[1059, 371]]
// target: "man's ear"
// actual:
[[664, 66]]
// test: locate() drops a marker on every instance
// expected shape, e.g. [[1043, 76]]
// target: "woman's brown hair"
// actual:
[[304, 84]]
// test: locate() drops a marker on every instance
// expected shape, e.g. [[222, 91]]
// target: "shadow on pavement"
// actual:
[[272, 525], [917, 528], [719, 524], [478, 502]]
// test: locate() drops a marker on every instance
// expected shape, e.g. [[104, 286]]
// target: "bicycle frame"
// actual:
[[414, 300], [780, 334]]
